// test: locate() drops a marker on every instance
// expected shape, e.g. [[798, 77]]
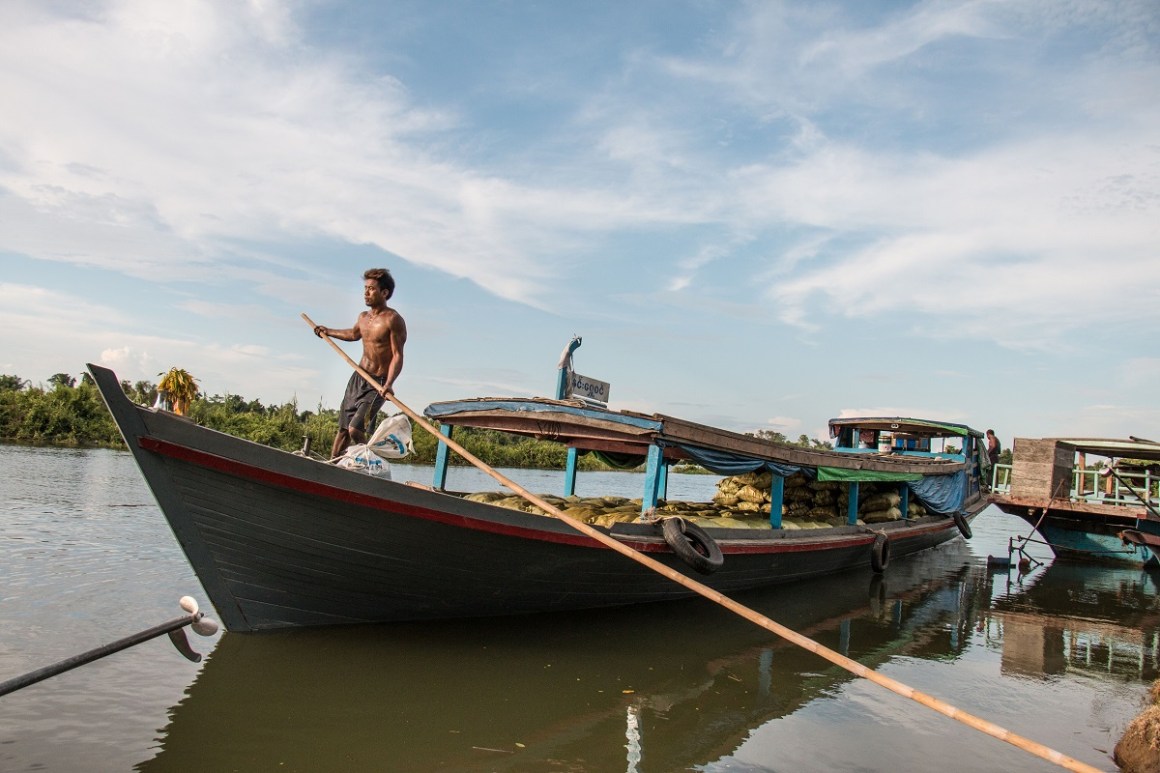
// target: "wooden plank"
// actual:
[[559, 427], [589, 431], [704, 436]]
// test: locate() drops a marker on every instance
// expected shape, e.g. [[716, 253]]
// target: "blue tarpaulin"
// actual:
[[942, 493], [724, 463]]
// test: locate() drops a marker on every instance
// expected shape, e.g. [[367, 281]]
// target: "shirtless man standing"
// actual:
[[383, 333]]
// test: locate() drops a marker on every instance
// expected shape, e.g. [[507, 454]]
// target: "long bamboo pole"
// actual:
[[749, 614]]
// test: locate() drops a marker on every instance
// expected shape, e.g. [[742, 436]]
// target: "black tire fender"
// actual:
[[692, 545], [964, 527], [880, 553]]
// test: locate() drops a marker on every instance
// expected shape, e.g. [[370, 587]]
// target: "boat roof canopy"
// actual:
[[627, 433], [1129, 448], [921, 427]]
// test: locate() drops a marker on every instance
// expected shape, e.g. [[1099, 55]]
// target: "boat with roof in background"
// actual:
[[1089, 499]]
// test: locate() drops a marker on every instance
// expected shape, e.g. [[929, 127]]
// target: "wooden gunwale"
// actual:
[[751, 542], [1064, 506]]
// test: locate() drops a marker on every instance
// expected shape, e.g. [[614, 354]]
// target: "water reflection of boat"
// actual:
[[560, 692], [1102, 621]]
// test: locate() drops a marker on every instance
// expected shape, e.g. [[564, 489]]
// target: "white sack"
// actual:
[[362, 459], [392, 438]]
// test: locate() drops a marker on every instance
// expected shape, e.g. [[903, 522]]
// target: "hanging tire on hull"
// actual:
[[690, 542], [880, 553], [964, 527]]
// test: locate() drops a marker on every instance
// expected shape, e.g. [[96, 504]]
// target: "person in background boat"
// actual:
[[992, 448], [383, 334]]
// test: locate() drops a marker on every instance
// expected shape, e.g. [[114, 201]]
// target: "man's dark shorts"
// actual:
[[360, 403]]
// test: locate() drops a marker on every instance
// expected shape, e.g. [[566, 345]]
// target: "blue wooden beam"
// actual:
[[776, 499], [852, 507], [570, 473], [442, 453], [652, 478]]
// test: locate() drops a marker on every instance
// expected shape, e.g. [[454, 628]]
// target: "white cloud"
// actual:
[[912, 412], [1093, 420], [154, 133], [783, 424], [854, 52], [1018, 234], [124, 359], [24, 306], [1138, 371]]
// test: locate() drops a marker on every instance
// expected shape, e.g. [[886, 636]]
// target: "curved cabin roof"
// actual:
[[594, 428], [1130, 448], [920, 427]]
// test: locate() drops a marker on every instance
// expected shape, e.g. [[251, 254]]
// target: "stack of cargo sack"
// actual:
[[741, 502]]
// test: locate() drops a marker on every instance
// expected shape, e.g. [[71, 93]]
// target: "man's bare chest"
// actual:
[[376, 327]]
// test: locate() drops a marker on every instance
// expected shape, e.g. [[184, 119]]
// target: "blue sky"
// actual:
[[757, 215]]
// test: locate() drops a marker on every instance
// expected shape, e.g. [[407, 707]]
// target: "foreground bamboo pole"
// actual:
[[751, 615]]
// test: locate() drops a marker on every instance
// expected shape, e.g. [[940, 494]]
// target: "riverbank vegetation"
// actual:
[[68, 412]]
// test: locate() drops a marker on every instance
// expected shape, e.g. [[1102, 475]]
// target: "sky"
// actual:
[[757, 215]]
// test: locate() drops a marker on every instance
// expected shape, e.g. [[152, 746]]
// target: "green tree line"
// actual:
[[68, 413], [71, 413]]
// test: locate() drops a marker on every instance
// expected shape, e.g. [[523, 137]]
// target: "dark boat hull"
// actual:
[[1101, 534], [279, 540]]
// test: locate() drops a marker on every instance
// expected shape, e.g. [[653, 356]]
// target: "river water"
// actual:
[[1062, 655]]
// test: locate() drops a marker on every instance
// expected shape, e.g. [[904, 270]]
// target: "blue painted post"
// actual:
[[852, 507], [565, 368], [972, 465], [442, 452], [776, 500], [663, 488], [570, 473], [652, 477], [904, 505]]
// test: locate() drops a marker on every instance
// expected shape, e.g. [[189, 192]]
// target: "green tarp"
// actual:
[[849, 476]]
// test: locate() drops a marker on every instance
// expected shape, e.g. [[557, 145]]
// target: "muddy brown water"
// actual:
[[1062, 655]]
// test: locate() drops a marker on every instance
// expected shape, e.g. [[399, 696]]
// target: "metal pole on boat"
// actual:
[[200, 623], [564, 368], [1143, 500], [700, 588]]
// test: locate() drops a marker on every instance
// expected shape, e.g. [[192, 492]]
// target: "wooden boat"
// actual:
[[281, 540], [1106, 514]]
